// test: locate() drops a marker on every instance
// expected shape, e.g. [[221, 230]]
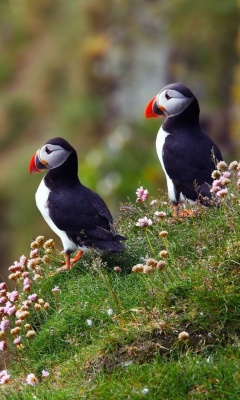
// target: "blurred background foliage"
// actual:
[[85, 70]]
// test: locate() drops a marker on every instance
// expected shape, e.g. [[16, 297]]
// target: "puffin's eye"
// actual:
[[48, 151], [167, 96]]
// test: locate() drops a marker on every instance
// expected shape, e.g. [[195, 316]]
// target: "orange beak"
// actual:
[[36, 165], [153, 110]]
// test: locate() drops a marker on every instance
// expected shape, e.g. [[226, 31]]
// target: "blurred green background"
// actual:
[[85, 70]]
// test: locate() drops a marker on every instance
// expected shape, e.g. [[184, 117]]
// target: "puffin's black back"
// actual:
[[76, 209], [189, 155]]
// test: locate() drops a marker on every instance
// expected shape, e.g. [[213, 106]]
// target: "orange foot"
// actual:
[[70, 261], [182, 214], [186, 213]]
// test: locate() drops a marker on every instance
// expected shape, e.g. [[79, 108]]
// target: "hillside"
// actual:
[[159, 321]]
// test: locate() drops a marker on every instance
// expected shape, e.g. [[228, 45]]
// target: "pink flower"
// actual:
[[142, 222], [26, 284], [13, 295], [4, 324], [31, 379], [3, 345], [9, 308], [4, 377], [142, 194], [18, 340], [45, 373], [215, 189], [153, 202], [34, 253], [32, 297], [3, 286], [160, 214], [23, 260], [15, 267], [26, 281], [222, 193], [226, 174], [56, 289]]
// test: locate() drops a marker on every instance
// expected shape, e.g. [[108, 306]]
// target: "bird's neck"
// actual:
[[188, 118], [64, 175]]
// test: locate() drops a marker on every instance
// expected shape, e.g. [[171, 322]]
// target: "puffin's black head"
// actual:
[[51, 155], [172, 100]]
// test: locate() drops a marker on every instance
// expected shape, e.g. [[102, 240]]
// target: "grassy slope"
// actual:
[[135, 352]]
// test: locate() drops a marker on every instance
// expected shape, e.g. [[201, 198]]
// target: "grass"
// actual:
[[113, 333]]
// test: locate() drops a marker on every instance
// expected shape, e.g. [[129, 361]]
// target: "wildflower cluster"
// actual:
[[17, 307], [31, 378], [150, 266], [226, 180]]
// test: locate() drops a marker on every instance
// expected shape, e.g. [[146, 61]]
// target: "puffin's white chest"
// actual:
[[41, 197], [161, 137]]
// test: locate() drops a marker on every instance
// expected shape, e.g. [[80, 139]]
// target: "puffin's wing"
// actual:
[[80, 210], [189, 161]]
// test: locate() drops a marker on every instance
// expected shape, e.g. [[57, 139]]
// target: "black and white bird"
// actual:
[[187, 155], [75, 213]]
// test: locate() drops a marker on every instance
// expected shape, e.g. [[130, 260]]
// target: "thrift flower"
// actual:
[[233, 166], [222, 166], [40, 240], [163, 253], [142, 194], [31, 379], [161, 265], [9, 308], [13, 295], [3, 345], [216, 174], [147, 269], [137, 268], [15, 331], [45, 373], [4, 377], [117, 269], [183, 336], [31, 334], [153, 202], [32, 297], [160, 215], [222, 193], [3, 285], [56, 289], [18, 340], [23, 260], [4, 324], [163, 233], [143, 222]]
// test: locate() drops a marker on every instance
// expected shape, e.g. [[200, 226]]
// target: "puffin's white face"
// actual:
[[52, 155], [47, 157], [172, 102]]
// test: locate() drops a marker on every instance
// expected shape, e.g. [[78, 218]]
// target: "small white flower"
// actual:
[[89, 322], [142, 222], [110, 311], [145, 391]]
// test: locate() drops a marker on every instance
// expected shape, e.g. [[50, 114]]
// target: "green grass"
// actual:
[[114, 334]]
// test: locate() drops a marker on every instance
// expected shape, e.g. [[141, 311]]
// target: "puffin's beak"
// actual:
[[36, 165], [153, 110]]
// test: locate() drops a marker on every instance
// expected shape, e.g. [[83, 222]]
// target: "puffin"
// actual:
[[74, 212], [187, 154]]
